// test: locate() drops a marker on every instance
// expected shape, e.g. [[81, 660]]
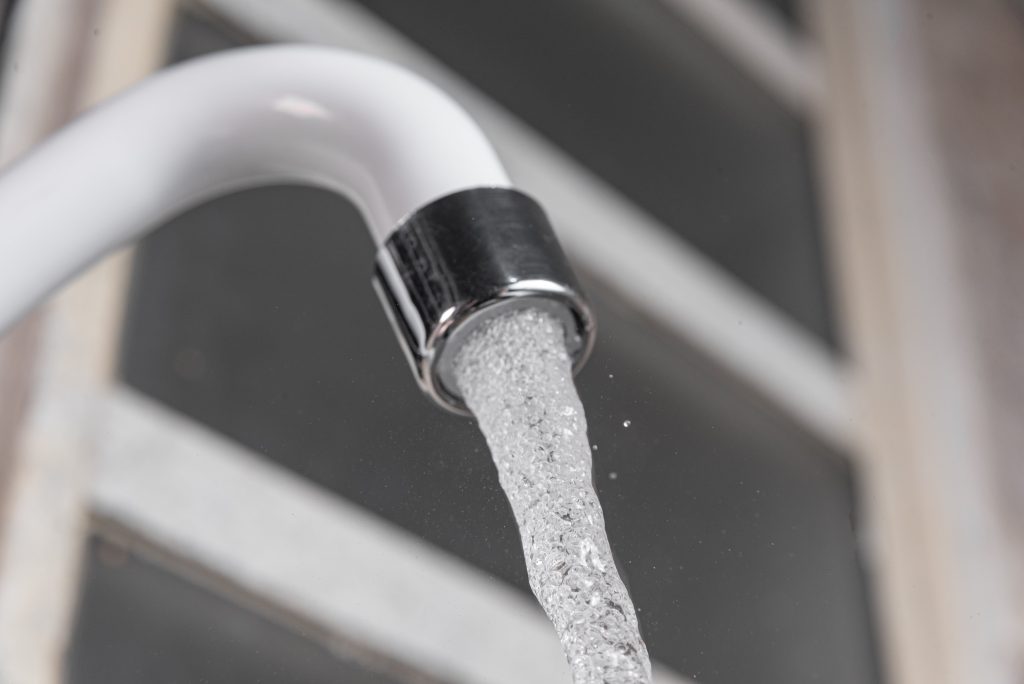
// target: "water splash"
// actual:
[[516, 377]]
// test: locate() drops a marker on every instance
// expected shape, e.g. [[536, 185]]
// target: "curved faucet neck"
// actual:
[[376, 133]]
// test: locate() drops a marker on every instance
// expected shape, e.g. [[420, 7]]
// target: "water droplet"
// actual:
[[626, 423], [593, 447], [611, 375]]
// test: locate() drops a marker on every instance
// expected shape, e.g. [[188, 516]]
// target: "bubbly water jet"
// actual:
[[515, 376]]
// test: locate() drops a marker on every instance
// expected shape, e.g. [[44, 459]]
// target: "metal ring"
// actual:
[[463, 259]]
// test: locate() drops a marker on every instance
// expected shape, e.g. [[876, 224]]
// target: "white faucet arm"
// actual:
[[376, 133]]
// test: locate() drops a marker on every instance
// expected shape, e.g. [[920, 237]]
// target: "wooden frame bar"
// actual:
[[940, 553], [50, 461]]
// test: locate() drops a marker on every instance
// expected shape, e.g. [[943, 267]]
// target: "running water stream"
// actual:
[[516, 377]]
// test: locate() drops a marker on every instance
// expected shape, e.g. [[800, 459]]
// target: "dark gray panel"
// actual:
[[787, 10], [137, 623]]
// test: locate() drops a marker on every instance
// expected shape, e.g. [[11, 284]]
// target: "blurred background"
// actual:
[[801, 227]]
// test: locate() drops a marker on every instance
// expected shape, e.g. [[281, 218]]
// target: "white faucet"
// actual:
[[457, 243]]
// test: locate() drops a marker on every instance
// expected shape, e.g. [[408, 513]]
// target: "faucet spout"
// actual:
[[383, 137]]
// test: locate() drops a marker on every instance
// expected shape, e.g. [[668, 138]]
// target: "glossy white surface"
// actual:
[[372, 131]]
